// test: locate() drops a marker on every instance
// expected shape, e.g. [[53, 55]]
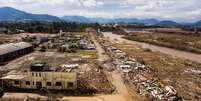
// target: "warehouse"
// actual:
[[13, 50]]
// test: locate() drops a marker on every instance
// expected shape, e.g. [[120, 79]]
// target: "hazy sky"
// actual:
[[179, 10]]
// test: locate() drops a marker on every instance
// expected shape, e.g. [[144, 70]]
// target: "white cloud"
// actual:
[[166, 9], [180, 10], [100, 3], [91, 3]]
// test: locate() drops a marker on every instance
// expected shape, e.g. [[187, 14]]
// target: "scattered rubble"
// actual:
[[62, 42], [95, 81], [69, 42], [193, 71], [68, 67], [140, 75]]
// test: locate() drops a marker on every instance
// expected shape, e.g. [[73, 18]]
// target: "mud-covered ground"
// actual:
[[183, 75]]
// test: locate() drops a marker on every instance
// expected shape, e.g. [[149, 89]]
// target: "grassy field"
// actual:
[[88, 54], [180, 42]]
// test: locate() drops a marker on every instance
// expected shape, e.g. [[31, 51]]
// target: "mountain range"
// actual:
[[168, 23], [82, 19], [12, 14]]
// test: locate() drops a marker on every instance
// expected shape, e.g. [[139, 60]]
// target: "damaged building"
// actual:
[[41, 77], [39, 80], [13, 50]]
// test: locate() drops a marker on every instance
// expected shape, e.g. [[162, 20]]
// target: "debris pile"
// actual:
[[67, 67], [69, 42], [95, 81], [36, 40], [62, 42], [141, 76], [192, 71]]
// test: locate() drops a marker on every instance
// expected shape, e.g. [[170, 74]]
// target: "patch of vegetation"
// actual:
[[180, 42], [88, 53], [45, 27]]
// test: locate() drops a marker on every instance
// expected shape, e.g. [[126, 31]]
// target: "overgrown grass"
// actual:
[[88, 54], [180, 42]]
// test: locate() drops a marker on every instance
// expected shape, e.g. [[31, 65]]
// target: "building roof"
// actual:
[[14, 77], [11, 47]]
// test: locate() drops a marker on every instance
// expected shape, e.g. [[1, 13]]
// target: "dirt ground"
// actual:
[[115, 77], [23, 63], [9, 38], [182, 74], [21, 96], [55, 59], [5, 38]]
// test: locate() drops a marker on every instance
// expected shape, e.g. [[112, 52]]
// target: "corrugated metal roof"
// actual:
[[2, 51], [23, 44], [11, 47]]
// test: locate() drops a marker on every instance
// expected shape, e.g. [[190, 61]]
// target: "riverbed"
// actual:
[[176, 53]]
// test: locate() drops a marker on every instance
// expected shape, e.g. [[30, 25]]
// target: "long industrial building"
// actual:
[[13, 50]]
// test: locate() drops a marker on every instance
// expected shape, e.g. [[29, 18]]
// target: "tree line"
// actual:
[[45, 27]]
